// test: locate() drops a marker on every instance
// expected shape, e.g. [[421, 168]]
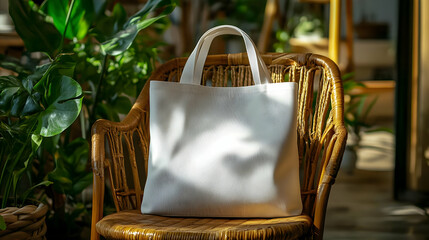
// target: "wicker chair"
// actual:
[[120, 150]]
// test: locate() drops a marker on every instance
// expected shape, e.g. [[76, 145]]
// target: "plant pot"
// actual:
[[27, 222]]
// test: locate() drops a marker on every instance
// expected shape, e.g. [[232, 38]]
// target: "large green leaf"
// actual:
[[60, 177], [62, 65], [38, 34], [17, 97], [107, 112], [71, 175], [9, 86], [108, 25], [75, 155], [83, 182], [122, 104], [64, 102], [81, 16], [123, 39], [149, 7]]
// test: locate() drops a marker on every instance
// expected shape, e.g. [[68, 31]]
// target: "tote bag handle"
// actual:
[[193, 69]]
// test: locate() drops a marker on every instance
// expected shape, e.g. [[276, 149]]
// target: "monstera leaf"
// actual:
[[49, 92], [63, 105]]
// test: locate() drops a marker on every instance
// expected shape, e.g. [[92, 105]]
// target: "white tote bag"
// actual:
[[222, 151]]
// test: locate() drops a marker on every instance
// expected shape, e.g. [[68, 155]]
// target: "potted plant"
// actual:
[[33, 106], [38, 101], [356, 111], [42, 99]]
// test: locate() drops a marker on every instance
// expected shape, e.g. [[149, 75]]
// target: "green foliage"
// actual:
[[123, 39], [282, 43], [80, 17], [357, 109], [309, 26], [355, 113], [241, 11], [26, 193], [2, 223], [38, 34], [36, 105], [17, 97], [303, 20], [96, 59], [108, 25], [70, 175]]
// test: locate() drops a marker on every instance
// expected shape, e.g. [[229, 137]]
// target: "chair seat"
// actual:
[[133, 224]]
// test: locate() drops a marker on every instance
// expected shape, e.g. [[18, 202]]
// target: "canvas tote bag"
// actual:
[[222, 151]]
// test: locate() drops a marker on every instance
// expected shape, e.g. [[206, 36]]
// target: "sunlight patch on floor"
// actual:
[[377, 152]]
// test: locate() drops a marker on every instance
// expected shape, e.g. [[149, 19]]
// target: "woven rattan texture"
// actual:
[[27, 222], [120, 150], [134, 225]]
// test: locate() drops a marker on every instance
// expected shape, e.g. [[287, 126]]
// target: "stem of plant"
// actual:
[[67, 23], [82, 123], [3, 171], [97, 92]]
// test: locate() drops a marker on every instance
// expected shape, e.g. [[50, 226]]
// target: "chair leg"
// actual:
[[97, 204]]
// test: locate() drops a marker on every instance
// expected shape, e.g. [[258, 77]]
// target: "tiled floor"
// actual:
[[361, 205]]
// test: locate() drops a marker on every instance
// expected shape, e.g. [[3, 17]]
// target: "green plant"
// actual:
[[83, 41], [39, 101], [33, 106], [356, 111], [303, 20], [282, 41], [309, 25], [238, 12]]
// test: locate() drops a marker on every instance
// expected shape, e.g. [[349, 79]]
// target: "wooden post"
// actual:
[[334, 29], [270, 13]]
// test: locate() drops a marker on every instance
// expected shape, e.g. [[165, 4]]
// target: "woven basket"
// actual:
[[27, 222]]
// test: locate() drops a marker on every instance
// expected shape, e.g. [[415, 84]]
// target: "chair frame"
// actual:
[[321, 132]]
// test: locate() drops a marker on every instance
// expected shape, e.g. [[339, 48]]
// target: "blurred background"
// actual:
[[381, 47]]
